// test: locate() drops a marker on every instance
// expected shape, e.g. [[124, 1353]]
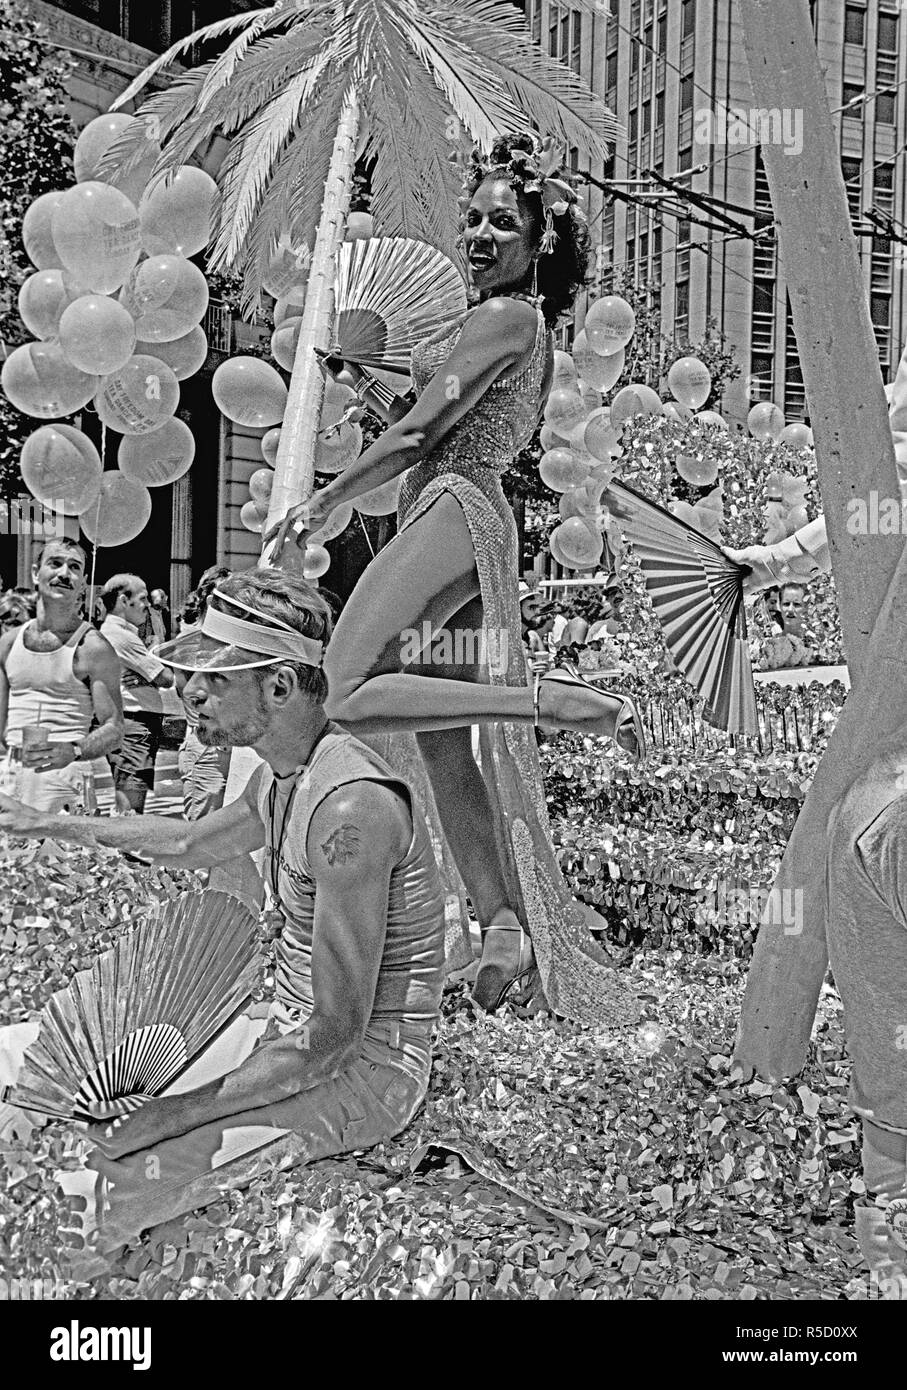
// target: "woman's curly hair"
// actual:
[[524, 160]]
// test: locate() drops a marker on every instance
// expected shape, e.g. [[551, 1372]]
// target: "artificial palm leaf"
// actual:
[[392, 292], [697, 595], [122, 1031]]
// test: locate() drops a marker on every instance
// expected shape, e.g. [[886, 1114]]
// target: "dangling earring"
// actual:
[[535, 277]]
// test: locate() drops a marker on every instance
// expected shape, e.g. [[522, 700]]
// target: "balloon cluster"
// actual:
[[785, 509], [581, 436], [249, 391], [115, 307]]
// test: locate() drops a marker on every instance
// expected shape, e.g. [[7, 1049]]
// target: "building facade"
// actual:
[[674, 72]]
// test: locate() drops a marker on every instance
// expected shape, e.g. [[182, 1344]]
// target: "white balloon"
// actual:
[[158, 458], [120, 512], [62, 468], [96, 233], [250, 516], [184, 356]]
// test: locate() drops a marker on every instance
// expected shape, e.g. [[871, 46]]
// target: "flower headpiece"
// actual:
[[528, 162]]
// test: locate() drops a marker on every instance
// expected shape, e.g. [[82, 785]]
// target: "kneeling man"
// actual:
[[343, 1060]]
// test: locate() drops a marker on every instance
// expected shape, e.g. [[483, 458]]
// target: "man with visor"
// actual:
[[342, 1059]]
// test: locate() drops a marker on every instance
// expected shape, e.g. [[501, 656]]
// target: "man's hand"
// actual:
[[763, 569], [17, 818], [47, 757]]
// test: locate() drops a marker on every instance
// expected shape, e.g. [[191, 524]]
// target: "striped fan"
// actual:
[[697, 595], [123, 1030], [390, 293]]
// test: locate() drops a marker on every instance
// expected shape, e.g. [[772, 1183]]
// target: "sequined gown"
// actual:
[[468, 464]]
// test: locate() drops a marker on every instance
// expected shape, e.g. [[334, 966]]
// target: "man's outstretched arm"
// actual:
[[356, 837], [217, 838]]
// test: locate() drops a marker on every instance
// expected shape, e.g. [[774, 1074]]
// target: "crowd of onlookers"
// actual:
[[789, 641]]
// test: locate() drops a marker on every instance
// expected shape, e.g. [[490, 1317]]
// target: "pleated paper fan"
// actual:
[[123, 1030], [390, 293], [697, 595]]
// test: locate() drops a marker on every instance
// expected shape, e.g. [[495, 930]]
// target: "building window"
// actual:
[[880, 309], [633, 126], [854, 24], [553, 27], [565, 37], [685, 158], [885, 108], [888, 33], [611, 72], [852, 170], [537, 21], [762, 372], [852, 92], [646, 117], [576, 40], [682, 308], [660, 110], [689, 18], [686, 93], [663, 34]]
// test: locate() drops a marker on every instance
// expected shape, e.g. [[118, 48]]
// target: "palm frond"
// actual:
[[206, 35], [312, 22]]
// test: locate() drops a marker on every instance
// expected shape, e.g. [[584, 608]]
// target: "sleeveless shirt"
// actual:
[[43, 688], [410, 977]]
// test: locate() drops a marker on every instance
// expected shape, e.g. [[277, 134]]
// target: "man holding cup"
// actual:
[[57, 676]]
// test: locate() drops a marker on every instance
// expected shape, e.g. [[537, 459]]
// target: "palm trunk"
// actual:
[[295, 470], [848, 412]]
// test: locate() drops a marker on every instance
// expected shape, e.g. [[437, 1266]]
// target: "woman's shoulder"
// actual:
[[503, 313]]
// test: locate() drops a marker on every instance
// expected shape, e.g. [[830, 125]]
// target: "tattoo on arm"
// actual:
[[342, 845]]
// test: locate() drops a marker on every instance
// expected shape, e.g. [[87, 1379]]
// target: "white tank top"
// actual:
[[44, 689]]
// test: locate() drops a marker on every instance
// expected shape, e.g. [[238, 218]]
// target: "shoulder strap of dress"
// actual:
[[78, 636]]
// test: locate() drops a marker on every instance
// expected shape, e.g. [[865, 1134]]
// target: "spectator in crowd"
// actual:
[[771, 602], [125, 598], [15, 610], [536, 622], [57, 675], [793, 646], [790, 606], [156, 627], [203, 768]]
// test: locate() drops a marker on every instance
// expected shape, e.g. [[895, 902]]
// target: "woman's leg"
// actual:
[[409, 592]]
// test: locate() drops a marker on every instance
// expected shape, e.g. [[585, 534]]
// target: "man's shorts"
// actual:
[[132, 764]]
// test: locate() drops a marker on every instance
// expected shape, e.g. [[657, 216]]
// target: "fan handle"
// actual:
[[380, 399]]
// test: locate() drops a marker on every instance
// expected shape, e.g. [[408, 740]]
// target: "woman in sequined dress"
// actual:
[[447, 584]]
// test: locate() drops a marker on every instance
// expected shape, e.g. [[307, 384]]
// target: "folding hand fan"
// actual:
[[697, 595], [123, 1030], [390, 293]]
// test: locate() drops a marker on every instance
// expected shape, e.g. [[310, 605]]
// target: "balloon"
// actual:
[[166, 295], [711, 417], [287, 273], [284, 341], [336, 451], [579, 543], [359, 226], [599, 438], [698, 472], [184, 356], [99, 136], [139, 397], [158, 458], [284, 310], [592, 399], [260, 485], [62, 468], [765, 421], [380, 500], [175, 215], [550, 439], [564, 369], [39, 381], [595, 370], [796, 518], [269, 446], [249, 392], [560, 470], [796, 436], [635, 399], [96, 233], [564, 409], [120, 512], [609, 325], [250, 516], [573, 502], [316, 561], [338, 521], [42, 299], [690, 381], [680, 414], [336, 400], [37, 232], [96, 334]]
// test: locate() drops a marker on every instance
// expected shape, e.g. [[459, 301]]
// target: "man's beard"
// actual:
[[241, 734]]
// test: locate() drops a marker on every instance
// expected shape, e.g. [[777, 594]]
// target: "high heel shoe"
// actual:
[[493, 982], [620, 718]]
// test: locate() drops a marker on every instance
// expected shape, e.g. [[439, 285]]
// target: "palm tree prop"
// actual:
[[302, 90]]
